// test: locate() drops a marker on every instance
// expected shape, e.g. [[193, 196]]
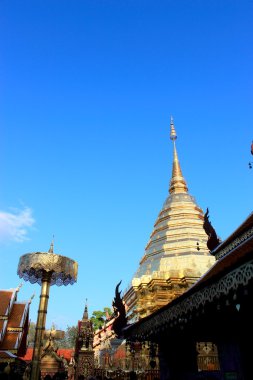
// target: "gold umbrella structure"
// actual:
[[46, 269]]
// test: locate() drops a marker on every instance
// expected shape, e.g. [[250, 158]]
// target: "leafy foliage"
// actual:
[[31, 334], [69, 339], [99, 317]]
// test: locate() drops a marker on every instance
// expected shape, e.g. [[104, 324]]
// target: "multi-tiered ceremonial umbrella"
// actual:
[[46, 269]]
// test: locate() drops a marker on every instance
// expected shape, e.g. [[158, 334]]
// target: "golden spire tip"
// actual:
[[173, 135], [51, 249], [177, 182]]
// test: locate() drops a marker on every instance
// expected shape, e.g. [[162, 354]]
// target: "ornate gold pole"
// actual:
[[40, 325]]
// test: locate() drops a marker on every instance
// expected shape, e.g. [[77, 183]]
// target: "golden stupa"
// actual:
[[176, 255]]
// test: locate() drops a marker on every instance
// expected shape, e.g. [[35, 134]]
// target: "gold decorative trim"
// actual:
[[248, 234], [180, 312]]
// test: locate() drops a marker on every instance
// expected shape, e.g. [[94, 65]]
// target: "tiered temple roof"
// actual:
[[14, 323]]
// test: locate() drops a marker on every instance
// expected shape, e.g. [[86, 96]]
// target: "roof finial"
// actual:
[[173, 135], [51, 249], [85, 313], [32, 297], [251, 151], [177, 182]]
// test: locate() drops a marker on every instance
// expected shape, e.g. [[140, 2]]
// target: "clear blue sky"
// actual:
[[87, 88]]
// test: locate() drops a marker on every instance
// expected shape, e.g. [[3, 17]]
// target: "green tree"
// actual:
[[99, 317], [69, 339], [31, 334]]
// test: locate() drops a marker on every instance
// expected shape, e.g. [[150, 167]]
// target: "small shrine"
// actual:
[[51, 362], [54, 362], [84, 353]]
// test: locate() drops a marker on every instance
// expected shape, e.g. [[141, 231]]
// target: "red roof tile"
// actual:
[[28, 356], [5, 296], [13, 316], [9, 342], [65, 352], [3, 326], [16, 316]]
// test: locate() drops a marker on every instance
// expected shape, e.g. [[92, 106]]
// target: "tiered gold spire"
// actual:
[[177, 182], [171, 262]]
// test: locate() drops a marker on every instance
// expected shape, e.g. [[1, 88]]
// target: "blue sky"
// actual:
[[87, 90]]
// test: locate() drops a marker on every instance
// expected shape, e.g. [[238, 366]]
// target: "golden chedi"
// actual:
[[176, 255]]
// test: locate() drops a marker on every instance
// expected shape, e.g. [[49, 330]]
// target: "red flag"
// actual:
[[252, 148]]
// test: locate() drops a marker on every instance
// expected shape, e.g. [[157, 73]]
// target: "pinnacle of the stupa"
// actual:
[[85, 313], [177, 249]]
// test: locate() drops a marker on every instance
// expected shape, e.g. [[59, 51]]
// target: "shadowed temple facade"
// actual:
[[205, 333]]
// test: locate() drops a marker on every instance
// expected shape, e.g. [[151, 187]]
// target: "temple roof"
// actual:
[[172, 248], [17, 315], [230, 278], [67, 353], [7, 298], [13, 321], [241, 231], [28, 355], [10, 341], [7, 356]]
